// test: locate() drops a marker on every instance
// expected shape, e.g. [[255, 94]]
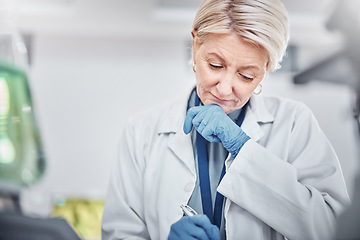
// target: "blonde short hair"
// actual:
[[261, 22]]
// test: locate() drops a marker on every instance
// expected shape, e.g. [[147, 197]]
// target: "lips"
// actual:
[[220, 99]]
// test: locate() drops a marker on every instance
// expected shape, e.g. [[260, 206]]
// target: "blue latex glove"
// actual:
[[194, 227], [215, 126]]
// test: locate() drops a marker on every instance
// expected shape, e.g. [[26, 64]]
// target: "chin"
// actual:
[[227, 110]]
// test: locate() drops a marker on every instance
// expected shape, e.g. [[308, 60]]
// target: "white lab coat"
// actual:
[[285, 182]]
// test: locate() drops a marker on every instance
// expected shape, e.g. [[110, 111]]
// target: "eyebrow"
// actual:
[[250, 66]]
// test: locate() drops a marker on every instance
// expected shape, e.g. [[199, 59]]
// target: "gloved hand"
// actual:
[[215, 126], [194, 227]]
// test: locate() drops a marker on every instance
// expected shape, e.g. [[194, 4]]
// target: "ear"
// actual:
[[193, 34]]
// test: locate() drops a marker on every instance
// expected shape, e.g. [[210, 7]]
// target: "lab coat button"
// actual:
[[188, 187]]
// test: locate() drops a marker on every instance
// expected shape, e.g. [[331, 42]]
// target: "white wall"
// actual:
[[86, 87]]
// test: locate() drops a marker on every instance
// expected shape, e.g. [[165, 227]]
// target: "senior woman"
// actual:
[[252, 166]]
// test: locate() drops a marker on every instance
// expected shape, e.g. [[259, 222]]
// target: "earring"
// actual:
[[193, 67], [257, 93]]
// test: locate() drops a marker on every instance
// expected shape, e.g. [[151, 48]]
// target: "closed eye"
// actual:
[[246, 77], [215, 66]]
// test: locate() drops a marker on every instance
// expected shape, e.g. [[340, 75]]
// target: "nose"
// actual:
[[225, 85]]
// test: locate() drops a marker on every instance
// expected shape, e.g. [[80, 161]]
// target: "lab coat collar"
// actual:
[[175, 116], [180, 143], [257, 113], [260, 110]]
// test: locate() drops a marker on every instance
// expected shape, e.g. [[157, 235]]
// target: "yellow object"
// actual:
[[83, 215]]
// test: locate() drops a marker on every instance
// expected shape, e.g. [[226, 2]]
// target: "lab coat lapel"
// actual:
[[256, 113], [179, 143], [251, 127]]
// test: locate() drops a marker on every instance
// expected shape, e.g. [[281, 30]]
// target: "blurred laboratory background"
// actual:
[[93, 63]]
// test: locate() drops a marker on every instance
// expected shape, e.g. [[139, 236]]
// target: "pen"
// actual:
[[188, 211]]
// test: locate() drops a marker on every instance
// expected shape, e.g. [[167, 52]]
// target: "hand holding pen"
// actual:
[[193, 226]]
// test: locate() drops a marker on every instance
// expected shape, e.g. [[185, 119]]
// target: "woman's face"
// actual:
[[228, 69]]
